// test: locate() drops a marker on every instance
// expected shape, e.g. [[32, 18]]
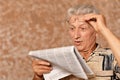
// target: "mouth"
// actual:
[[77, 43]]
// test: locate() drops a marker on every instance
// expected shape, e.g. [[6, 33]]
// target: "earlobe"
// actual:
[[96, 34], [97, 38]]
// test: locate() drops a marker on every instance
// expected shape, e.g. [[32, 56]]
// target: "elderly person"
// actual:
[[84, 24]]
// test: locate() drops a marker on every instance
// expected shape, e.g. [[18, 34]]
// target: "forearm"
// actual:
[[113, 42]]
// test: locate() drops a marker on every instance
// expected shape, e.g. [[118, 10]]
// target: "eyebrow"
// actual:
[[72, 26]]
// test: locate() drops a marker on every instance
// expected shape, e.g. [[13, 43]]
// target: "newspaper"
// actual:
[[65, 61]]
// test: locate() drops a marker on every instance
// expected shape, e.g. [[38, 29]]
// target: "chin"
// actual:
[[79, 48]]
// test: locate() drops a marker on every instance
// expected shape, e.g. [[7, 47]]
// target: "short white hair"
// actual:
[[81, 10]]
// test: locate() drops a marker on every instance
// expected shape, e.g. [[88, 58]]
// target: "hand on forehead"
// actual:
[[82, 18]]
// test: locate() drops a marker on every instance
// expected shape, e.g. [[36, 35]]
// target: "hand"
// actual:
[[40, 67], [96, 21]]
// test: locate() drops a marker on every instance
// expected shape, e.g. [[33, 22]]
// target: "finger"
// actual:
[[90, 17], [42, 67], [41, 72], [41, 62]]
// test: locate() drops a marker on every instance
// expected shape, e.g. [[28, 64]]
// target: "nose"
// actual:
[[77, 34]]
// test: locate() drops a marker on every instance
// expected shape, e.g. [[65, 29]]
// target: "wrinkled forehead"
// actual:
[[78, 20], [74, 18]]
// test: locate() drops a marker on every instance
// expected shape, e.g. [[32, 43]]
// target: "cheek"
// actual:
[[89, 37], [71, 34]]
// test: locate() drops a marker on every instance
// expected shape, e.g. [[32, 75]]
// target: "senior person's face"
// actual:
[[82, 33]]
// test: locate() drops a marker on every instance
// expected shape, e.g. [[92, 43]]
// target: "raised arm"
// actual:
[[101, 28]]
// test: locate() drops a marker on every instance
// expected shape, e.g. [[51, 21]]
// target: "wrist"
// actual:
[[103, 29], [37, 77]]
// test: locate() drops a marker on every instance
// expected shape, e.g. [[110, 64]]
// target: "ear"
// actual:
[[97, 38], [97, 35]]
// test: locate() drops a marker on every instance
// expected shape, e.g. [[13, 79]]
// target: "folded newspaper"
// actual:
[[65, 61]]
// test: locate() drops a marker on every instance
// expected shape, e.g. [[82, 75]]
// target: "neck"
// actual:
[[86, 54]]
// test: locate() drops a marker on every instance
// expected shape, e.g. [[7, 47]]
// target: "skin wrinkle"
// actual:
[[84, 33]]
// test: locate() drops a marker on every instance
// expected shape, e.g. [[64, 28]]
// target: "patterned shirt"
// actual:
[[103, 64]]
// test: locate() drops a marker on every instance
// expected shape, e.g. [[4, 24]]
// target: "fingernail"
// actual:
[[48, 63]]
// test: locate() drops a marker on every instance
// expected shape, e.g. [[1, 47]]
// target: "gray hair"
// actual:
[[81, 10]]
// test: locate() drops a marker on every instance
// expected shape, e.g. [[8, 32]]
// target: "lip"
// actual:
[[77, 43]]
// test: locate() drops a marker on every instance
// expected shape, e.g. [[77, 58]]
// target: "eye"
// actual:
[[82, 28], [72, 28]]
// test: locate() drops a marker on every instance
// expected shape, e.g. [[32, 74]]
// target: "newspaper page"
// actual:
[[65, 61], [56, 74]]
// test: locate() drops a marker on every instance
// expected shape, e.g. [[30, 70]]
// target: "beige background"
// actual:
[[39, 24]]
